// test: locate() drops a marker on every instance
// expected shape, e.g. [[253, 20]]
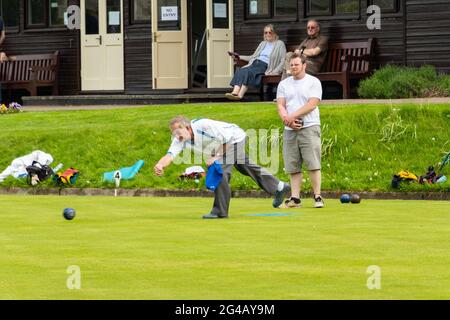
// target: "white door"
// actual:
[[219, 25], [102, 45], [169, 44]]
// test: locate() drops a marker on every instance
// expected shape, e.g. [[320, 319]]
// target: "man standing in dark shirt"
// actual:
[[314, 48]]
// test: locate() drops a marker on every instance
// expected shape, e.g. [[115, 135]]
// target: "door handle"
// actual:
[[99, 39], [155, 37]]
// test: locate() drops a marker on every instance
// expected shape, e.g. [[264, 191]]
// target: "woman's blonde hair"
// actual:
[[272, 28]]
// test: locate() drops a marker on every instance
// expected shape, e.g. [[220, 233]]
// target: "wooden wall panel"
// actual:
[[428, 33], [389, 44], [418, 34], [28, 41]]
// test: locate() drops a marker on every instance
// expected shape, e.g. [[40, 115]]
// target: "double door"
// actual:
[[102, 48], [102, 61], [170, 53]]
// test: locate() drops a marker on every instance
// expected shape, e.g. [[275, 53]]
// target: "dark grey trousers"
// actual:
[[250, 76], [237, 157]]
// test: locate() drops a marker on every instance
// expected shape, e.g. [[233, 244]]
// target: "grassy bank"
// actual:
[[363, 145]]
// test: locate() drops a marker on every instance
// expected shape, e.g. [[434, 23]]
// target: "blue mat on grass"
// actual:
[[127, 172]]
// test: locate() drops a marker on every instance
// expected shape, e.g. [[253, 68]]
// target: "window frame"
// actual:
[[332, 11], [346, 14], [395, 10], [284, 17], [50, 15], [310, 12], [139, 21], [390, 13], [27, 12], [270, 14], [249, 16], [47, 17], [5, 26]]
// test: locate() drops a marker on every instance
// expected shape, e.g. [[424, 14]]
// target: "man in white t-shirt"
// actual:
[[298, 98], [223, 142]]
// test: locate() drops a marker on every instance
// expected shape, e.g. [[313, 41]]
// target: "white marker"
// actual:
[[117, 177]]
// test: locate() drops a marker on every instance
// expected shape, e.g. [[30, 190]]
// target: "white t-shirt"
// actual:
[[208, 136], [297, 93]]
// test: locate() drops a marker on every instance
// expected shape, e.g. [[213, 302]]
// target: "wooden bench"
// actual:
[[30, 72], [345, 61]]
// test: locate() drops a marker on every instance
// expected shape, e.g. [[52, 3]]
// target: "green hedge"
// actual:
[[391, 82]]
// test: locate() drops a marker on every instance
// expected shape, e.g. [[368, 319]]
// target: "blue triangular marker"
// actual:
[[127, 172]]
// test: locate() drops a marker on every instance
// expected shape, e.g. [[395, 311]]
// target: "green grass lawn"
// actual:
[[160, 248]]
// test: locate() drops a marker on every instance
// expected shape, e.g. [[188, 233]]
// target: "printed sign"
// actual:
[[220, 10], [114, 18], [253, 7], [169, 13]]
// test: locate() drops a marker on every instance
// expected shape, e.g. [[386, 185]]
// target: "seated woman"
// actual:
[[267, 59]]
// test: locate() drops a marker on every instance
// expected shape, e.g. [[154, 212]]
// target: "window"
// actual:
[[347, 7], [45, 13], [319, 7], [271, 8], [168, 17], [258, 8], [332, 7], [285, 8], [220, 14], [386, 6], [9, 10], [57, 10], [91, 17], [36, 13], [113, 23], [141, 11]]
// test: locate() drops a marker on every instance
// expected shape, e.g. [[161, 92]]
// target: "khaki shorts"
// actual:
[[302, 146]]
